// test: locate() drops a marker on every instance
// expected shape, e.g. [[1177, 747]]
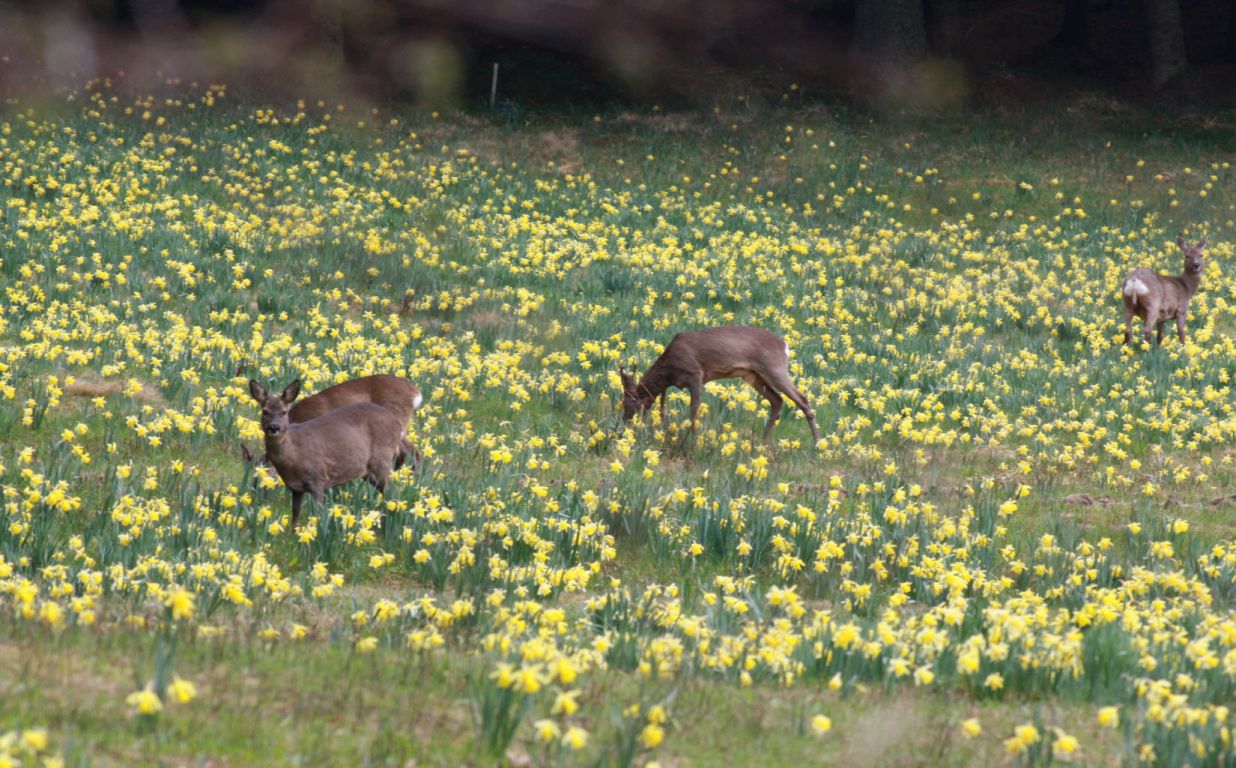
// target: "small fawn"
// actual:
[[1157, 298], [693, 358], [341, 445]]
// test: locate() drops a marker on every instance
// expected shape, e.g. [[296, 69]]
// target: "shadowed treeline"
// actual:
[[905, 52]]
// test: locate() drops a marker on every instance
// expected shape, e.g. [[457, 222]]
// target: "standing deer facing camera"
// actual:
[[399, 395], [347, 443], [693, 358], [1158, 298]]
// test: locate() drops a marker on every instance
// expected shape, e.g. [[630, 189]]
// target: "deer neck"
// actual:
[[280, 449], [1191, 281], [656, 380]]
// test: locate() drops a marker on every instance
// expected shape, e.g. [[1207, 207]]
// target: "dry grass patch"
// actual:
[[661, 123], [91, 386], [561, 146], [893, 733]]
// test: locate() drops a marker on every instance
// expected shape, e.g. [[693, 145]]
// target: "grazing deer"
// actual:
[[693, 358], [341, 445], [1158, 298], [399, 395]]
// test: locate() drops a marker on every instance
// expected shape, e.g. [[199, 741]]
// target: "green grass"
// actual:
[[953, 320], [315, 701]]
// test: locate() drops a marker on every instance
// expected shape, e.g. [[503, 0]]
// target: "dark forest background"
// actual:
[[902, 53]]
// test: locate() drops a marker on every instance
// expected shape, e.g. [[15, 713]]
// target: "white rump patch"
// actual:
[[787, 350], [416, 401], [1135, 287]]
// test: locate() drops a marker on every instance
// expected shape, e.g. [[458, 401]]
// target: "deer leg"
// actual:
[[378, 477], [297, 498], [264, 464], [406, 449], [1180, 323], [696, 388], [318, 494], [382, 482], [1128, 324], [783, 383], [774, 406], [1159, 332], [261, 464], [402, 453], [663, 398], [1149, 326]]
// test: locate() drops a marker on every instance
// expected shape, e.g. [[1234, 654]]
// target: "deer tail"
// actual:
[[1134, 287]]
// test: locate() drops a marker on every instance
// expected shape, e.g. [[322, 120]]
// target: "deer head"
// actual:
[[274, 409], [1194, 259], [635, 399]]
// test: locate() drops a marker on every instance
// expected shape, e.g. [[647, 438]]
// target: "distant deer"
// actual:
[[1157, 298], [399, 395], [341, 445], [693, 358]]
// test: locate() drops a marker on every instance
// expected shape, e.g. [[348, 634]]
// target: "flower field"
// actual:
[[1014, 542]]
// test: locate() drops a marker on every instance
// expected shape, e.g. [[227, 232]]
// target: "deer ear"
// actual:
[[257, 391], [291, 392], [1180, 240], [1202, 243]]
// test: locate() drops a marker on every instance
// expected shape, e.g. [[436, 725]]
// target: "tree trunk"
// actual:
[[1073, 30], [944, 22], [1167, 46], [329, 17], [889, 31], [1231, 34]]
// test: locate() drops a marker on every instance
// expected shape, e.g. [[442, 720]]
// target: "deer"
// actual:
[[399, 395], [693, 358], [1157, 298], [353, 441]]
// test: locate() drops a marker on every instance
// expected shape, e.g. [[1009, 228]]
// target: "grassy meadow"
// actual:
[[1013, 545]]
